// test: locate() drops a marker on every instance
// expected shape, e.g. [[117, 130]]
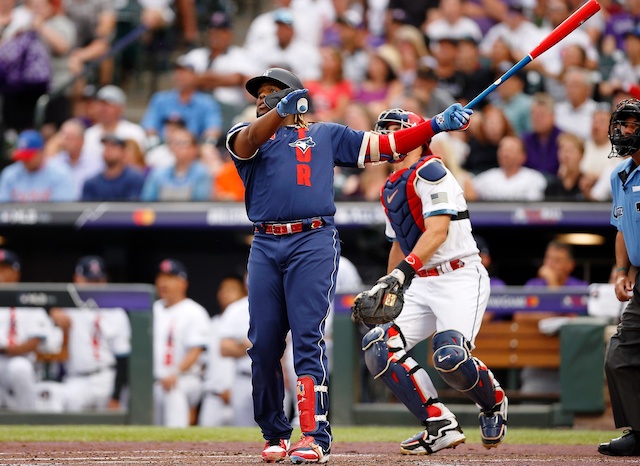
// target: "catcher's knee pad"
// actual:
[[312, 403], [386, 358], [453, 360]]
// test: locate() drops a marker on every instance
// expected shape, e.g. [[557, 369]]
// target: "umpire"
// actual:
[[622, 362]]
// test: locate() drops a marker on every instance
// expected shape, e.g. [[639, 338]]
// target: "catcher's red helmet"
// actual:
[[396, 116]]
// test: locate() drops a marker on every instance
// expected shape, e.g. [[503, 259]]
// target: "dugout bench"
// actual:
[[137, 300], [509, 340]]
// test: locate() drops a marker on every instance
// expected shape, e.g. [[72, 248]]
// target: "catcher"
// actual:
[[437, 280]]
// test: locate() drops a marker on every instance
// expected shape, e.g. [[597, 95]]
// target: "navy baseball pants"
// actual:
[[291, 281]]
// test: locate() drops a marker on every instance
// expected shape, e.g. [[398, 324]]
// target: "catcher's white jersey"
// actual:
[[96, 336], [456, 299], [445, 195], [176, 329]]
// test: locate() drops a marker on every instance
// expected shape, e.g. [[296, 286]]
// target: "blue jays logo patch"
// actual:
[[303, 144]]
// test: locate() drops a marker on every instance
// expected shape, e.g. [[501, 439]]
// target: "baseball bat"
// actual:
[[561, 31]]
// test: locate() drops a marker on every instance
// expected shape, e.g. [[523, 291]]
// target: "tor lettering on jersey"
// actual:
[[303, 157]]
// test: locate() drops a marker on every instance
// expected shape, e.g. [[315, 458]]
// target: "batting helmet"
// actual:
[[396, 116], [278, 76], [625, 144]]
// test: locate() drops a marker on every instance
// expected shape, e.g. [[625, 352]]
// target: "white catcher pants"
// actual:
[[455, 300]]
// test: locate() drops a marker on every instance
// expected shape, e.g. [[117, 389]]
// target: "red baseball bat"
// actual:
[[561, 31]]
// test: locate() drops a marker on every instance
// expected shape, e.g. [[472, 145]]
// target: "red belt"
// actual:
[[441, 268], [289, 227]]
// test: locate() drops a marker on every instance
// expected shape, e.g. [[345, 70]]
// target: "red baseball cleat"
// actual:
[[275, 450]]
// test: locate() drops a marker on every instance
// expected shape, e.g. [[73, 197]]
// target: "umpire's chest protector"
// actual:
[[403, 206]]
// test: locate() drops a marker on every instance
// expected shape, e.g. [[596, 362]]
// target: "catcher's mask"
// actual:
[[625, 143], [278, 76], [396, 116]]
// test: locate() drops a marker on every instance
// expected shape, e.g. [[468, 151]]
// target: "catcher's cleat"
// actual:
[[307, 451], [275, 450], [493, 424], [439, 434]]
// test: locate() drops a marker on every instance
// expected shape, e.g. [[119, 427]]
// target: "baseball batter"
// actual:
[[286, 165], [180, 335], [434, 251]]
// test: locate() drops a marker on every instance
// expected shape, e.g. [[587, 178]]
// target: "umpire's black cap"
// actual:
[[278, 76]]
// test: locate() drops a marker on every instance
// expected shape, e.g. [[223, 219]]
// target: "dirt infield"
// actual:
[[241, 453]]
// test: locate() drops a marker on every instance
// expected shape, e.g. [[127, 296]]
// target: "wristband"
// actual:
[[622, 269], [414, 261]]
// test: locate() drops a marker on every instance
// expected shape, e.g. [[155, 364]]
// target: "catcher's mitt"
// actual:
[[379, 305]]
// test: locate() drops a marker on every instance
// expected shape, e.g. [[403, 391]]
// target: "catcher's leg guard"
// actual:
[[312, 404], [385, 357], [452, 358]]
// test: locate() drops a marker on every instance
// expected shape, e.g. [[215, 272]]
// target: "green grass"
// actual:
[[18, 433]]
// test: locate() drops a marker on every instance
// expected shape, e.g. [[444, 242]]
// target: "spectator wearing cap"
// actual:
[[118, 181], [69, 142], [453, 23], [226, 67], [200, 112], [110, 120], [98, 346], [627, 69], [289, 51], [188, 179], [180, 336], [32, 178], [23, 331]]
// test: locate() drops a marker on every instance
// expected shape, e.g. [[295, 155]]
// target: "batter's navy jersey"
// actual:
[[625, 212], [290, 176]]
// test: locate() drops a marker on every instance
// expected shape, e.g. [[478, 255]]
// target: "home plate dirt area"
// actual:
[[240, 453]]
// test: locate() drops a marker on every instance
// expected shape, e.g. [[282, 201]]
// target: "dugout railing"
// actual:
[[137, 300]]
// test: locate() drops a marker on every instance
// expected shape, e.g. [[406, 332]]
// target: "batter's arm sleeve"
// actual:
[[394, 146], [122, 376]]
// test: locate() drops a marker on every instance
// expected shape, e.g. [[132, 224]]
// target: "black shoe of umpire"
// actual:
[[627, 445]]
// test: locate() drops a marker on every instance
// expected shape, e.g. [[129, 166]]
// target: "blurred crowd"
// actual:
[[542, 135]]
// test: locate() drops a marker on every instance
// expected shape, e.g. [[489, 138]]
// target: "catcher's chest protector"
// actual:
[[403, 206]]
